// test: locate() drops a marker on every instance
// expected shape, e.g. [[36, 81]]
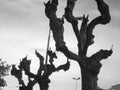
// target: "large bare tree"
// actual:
[[43, 73], [90, 66]]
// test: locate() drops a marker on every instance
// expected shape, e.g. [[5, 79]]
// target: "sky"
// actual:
[[24, 29]]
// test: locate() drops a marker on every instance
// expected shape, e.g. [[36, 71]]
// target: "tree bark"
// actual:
[[89, 82], [91, 69]]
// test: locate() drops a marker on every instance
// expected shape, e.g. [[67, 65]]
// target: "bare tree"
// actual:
[[90, 66], [43, 73]]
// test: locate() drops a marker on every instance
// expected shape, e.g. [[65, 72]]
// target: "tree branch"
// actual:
[[104, 18], [31, 83], [41, 59], [94, 64], [83, 37], [69, 54], [64, 67], [25, 64], [56, 25], [102, 54], [70, 18], [18, 74]]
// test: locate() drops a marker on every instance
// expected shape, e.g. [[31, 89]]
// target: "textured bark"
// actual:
[[89, 82], [90, 66], [91, 69]]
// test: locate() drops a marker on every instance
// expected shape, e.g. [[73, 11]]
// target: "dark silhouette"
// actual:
[[4, 69], [115, 87], [44, 71], [90, 66]]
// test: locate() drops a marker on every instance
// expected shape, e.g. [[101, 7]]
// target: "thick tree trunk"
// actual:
[[90, 71], [43, 87], [89, 82]]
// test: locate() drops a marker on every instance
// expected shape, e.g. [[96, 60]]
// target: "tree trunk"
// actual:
[[89, 73], [89, 82], [43, 84], [42, 87]]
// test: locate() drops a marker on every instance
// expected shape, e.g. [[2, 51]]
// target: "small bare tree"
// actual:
[[43, 73], [90, 66]]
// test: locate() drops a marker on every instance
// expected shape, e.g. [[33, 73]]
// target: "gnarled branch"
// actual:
[[83, 36], [104, 18], [41, 59], [56, 25], [25, 64], [102, 54], [70, 18], [94, 64], [64, 67], [18, 74]]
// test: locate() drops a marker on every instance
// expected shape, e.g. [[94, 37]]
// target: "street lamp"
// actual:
[[76, 79]]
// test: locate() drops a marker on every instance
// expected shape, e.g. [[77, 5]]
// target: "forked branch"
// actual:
[[104, 18], [56, 25]]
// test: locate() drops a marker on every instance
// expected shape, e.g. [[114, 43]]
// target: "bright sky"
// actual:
[[24, 28]]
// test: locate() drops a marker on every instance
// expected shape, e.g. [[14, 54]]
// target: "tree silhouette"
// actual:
[[4, 69], [43, 73], [90, 66]]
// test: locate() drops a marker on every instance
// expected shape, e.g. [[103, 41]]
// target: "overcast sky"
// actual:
[[24, 28]]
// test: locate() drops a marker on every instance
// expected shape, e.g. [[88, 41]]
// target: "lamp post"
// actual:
[[76, 79]]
